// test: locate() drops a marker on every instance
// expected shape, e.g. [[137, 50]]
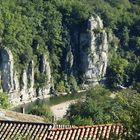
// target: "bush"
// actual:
[[41, 79], [43, 111], [78, 120], [4, 101], [63, 121], [60, 86]]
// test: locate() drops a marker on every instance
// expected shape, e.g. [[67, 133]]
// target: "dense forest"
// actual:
[[32, 27]]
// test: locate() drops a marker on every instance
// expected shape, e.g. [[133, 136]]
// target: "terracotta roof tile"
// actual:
[[10, 129], [43, 131], [95, 132]]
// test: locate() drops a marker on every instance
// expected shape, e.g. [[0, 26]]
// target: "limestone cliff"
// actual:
[[90, 52], [6, 67], [21, 88], [94, 51]]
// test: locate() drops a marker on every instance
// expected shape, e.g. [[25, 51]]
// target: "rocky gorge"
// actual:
[[87, 57]]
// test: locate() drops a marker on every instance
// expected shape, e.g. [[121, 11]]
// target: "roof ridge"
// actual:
[[85, 126]]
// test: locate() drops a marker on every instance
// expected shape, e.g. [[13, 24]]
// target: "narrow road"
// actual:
[[60, 110]]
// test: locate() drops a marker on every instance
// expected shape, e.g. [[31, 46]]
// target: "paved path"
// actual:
[[60, 110]]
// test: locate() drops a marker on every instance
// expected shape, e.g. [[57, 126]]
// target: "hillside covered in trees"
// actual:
[[30, 28]]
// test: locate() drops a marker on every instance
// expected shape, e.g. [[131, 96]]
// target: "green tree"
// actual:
[[4, 100], [95, 107], [116, 70], [138, 43], [63, 121], [125, 37], [78, 120], [60, 87], [41, 80], [99, 108], [127, 112], [73, 83], [43, 111]]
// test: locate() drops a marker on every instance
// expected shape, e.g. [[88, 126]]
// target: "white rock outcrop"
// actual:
[[45, 67], [6, 66], [46, 70], [94, 51], [20, 88], [31, 79], [69, 61]]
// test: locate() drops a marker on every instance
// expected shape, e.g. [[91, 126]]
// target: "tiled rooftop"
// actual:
[[95, 132], [42, 131], [9, 130]]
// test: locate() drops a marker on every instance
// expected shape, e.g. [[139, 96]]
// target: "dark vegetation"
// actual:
[[103, 107], [4, 101], [42, 110]]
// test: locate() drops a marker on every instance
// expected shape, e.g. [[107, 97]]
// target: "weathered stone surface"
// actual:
[[94, 51], [23, 84], [45, 67], [48, 71], [16, 82], [30, 78], [69, 61], [43, 91], [6, 66], [22, 90]]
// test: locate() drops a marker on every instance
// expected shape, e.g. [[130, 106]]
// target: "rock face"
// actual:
[[31, 79], [89, 52], [69, 61], [20, 88], [6, 67], [94, 51], [45, 69]]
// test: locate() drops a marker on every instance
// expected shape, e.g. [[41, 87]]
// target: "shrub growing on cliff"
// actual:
[[41, 80]]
